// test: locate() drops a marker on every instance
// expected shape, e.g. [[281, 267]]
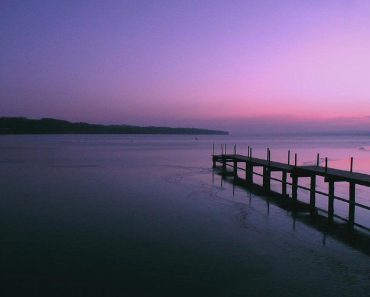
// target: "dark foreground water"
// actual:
[[147, 216]]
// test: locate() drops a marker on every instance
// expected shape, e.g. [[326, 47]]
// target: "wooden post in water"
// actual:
[[352, 206], [295, 160], [284, 183], [326, 164], [331, 201], [267, 174], [289, 157], [235, 168], [294, 188], [318, 160], [351, 167], [250, 174], [249, 169], [224, 163], [266, 179], [213, 156], [313, 195]]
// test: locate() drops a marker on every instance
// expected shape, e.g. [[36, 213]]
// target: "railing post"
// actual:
[[223, 163], [284, 184], [313, 195], [235, 168], [352, 206], [249, 167], [249, 173], [295, 188], [266, 179], [213, 156], [331, 201]]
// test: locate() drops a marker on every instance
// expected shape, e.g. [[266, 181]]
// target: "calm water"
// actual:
[[147, 216]]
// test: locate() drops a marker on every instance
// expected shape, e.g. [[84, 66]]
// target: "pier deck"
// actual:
[[274, 166], [335, 174], [301, 171], [331, 176]]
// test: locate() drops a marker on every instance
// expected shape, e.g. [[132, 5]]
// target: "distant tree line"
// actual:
[[20, 125]]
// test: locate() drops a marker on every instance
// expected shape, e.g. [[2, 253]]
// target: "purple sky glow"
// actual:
[[237, 65]]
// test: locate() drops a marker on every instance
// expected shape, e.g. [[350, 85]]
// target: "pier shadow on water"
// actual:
[[356, 239]]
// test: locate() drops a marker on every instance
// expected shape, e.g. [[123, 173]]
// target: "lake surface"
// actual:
[[118, 215]]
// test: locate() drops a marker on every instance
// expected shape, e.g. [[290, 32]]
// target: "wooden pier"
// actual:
[[331, 177]]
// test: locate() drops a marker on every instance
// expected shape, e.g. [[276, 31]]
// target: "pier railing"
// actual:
[[331, 177]]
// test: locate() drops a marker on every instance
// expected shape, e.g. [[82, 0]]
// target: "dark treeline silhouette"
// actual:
[[20, 125]]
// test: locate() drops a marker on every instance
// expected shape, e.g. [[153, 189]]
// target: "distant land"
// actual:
[[21, 125]]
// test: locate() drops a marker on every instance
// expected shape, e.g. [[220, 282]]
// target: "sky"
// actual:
[[262, 65]]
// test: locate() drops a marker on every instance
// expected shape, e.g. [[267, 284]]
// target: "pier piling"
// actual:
[[294, 188], [313, 195], [235, 168], [266, 179], [284, 184], [352, 206], [331, 201]]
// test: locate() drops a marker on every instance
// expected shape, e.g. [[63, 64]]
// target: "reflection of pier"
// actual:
[[331, 176], [355, 239]]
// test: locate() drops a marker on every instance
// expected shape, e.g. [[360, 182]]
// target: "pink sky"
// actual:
[[218, 64]]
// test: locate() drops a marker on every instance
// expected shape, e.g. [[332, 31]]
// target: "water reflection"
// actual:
[[357, 239]]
